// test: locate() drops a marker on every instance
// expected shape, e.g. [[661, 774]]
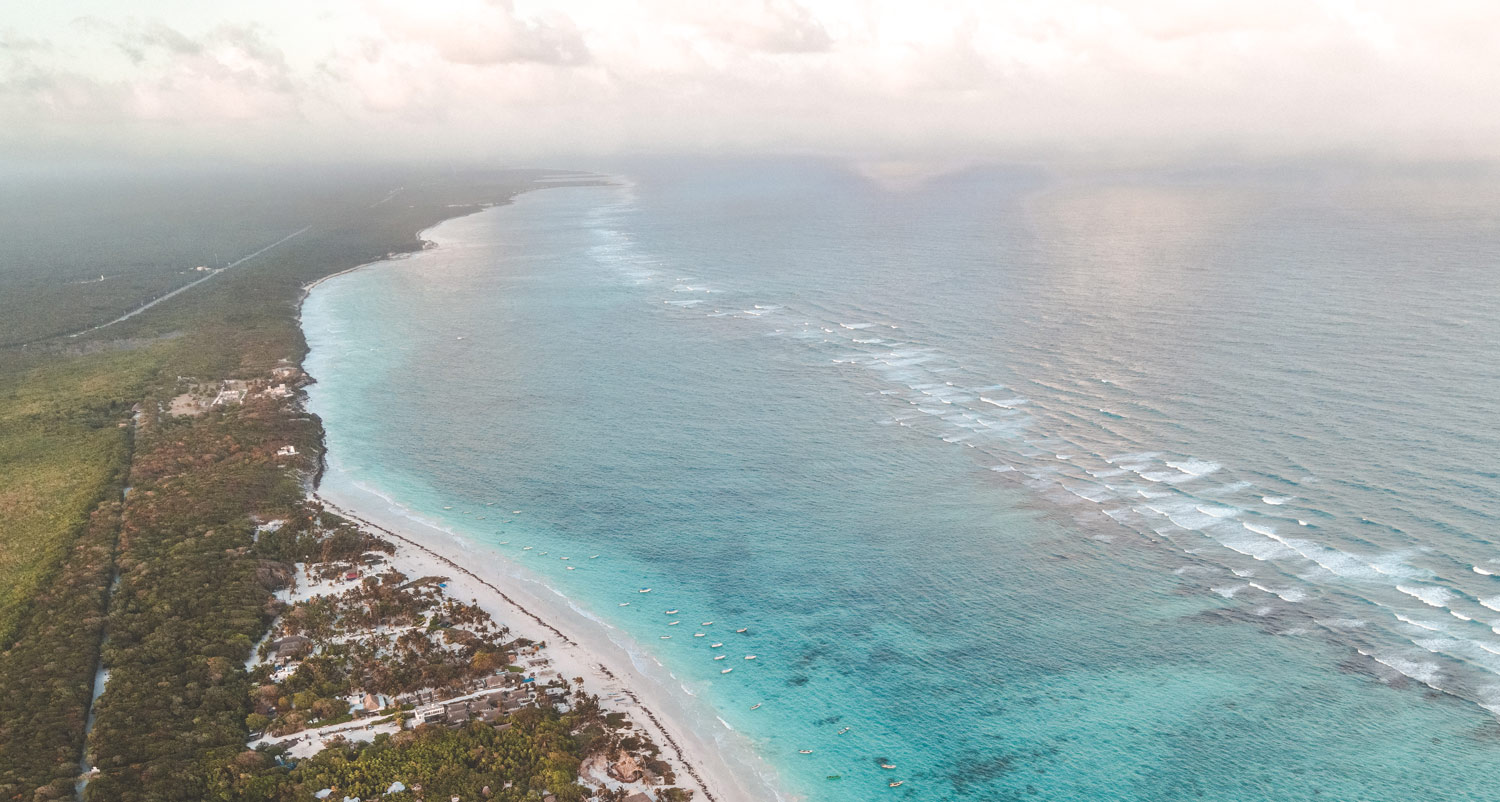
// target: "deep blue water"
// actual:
[[1166, 486]]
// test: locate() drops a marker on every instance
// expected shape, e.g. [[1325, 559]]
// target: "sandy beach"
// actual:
[[716, 762], [720, 767]]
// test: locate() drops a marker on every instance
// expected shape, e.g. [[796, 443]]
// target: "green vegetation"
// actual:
[[196, 572], [538, 753], [193, 596], [63, 445], [42, 729], [423, 641]]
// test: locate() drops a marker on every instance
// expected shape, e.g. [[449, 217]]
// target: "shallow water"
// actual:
[[1149, 487]]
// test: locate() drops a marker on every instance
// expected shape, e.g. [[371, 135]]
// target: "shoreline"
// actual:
[[610, 673], [607, 666], [401, 561]]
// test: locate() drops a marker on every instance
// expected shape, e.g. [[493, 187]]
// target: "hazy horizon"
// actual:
[[900, 89]]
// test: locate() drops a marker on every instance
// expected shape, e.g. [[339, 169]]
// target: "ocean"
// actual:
[[1149, 486]]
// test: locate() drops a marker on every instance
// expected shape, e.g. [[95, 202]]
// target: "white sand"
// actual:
[[720, 766]]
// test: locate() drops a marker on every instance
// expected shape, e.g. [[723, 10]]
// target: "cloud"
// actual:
[[225, 94], [139, 43], [879, 80], [772, 26], [483, 32]]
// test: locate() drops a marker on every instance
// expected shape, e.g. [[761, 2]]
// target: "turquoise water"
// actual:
[[1144, 487]]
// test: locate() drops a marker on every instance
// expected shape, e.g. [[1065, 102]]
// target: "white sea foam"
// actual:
[[1290, 595], [1184, 514], [1258, 548], [1429, 626], [1276, 501], [1093, 493], [1427, 594], [1426, 673], [1195, 467]]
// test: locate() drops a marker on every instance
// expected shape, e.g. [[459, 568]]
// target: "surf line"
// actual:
[[665, 734], [455, 566]]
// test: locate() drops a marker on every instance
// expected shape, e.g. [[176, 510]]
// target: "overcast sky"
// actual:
[[521, 80]]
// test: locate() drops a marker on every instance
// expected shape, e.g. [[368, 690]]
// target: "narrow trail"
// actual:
[[101, 674]]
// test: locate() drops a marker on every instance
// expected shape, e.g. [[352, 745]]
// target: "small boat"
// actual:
[[673, 623], [515, 512], [645, 590], [726, 671], [887, 766], [624, 604], [671, 612], [564, 558], [593, 556], [707, 624], [571, 568], [714, 645], [697, 634], [835, 777], [754, 706], [666, 637], [505, 542], [721, 657], [527, 548], [804, 751], [897, 784], [740, 631], [447, 508], [844, 730], [749, 657], [544, 552]]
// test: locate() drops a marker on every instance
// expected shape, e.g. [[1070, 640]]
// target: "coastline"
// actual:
[[609, 670], [580, 644]]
